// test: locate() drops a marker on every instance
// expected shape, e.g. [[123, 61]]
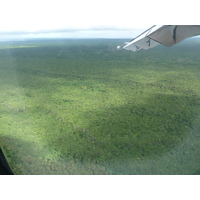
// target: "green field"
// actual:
[[83, 107]]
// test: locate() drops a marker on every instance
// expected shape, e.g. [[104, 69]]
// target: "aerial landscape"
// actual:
[[84, 106]]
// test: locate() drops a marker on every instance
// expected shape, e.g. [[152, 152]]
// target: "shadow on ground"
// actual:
[[129, 131]]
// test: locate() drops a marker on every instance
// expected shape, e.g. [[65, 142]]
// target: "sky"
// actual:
[[85, 18]]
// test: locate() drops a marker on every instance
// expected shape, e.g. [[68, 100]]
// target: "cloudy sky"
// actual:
[[85, 18]]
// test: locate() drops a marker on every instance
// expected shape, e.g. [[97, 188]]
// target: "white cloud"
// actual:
[[41, 15], [80, 16]]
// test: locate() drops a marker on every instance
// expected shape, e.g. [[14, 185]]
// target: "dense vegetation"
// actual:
[[84, 107]]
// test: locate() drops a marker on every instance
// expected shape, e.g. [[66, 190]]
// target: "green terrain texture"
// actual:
[[81, 106]]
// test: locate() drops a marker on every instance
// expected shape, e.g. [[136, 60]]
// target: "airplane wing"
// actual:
[[167, 35]]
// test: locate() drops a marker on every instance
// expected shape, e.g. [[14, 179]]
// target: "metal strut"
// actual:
[[174, 33]]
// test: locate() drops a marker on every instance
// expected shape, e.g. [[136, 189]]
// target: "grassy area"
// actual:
[[84, 107]]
